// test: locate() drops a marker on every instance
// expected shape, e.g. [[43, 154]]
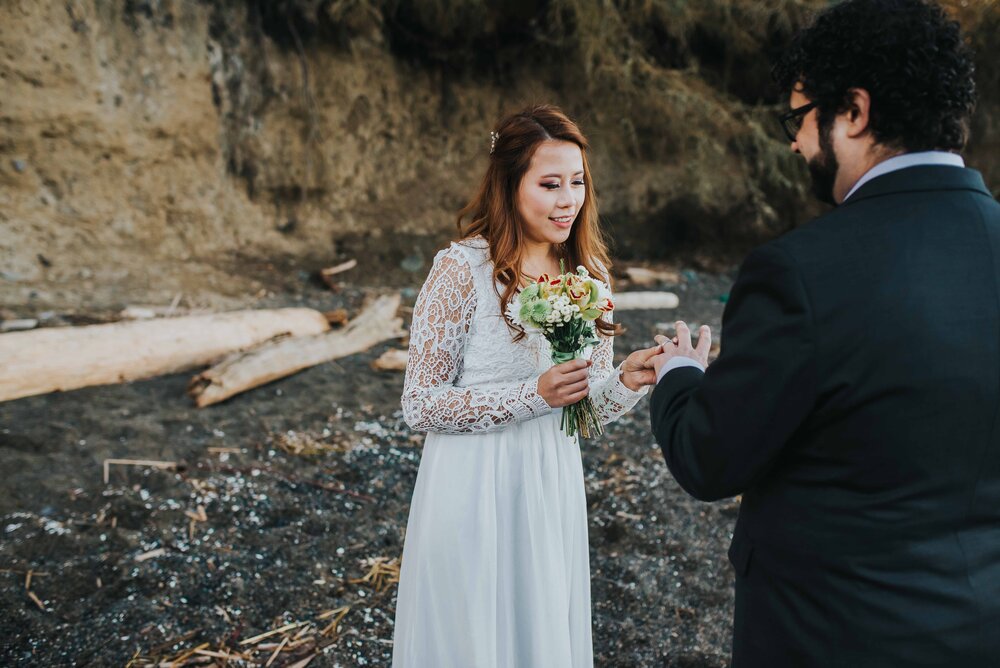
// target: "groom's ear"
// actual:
[[858, 112]]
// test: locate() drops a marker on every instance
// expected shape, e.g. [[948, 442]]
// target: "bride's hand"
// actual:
[[637, 370], [565, 383]]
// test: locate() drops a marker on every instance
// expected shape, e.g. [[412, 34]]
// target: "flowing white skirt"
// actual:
[[496, 570]]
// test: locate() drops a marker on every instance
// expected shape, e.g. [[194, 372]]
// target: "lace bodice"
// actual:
[[466, 374]]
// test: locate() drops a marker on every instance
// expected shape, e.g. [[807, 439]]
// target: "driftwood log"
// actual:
[[637, 301], [66, 358], [245, 371], [643, 276], [392, 360]]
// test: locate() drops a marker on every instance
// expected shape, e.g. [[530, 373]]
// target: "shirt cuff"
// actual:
[[676, 363]]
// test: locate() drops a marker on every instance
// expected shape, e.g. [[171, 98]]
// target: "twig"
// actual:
[[136, 462], [158, 552], [268, 634], [174, 304], [304, 662], [38, 602], [276, 652], [339, 268]]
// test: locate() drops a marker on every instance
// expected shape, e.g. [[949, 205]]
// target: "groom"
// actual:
[[856, 401]]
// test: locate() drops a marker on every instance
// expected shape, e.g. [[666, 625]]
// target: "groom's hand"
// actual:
[[681, 346]]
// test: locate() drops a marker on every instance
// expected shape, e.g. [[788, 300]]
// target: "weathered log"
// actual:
[[643, 277], [18, 325], [392, 360], [637, 301], [247, 370], [66, 358]]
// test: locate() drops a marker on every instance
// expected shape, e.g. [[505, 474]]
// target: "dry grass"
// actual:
[[383, 572], [291, 644], [308, 445]]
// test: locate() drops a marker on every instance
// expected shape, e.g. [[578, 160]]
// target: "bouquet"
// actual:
[[564, 309]]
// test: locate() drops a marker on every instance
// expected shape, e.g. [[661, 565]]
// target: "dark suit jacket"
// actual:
[[855, 405]]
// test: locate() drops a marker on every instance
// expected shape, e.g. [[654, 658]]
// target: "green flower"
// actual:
[[535, 311], [529, 293]]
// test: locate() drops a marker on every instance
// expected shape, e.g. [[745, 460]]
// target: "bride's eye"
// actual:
[[550, 186], [578, 182]]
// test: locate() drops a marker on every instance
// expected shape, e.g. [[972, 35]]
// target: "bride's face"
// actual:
[[552, 192]]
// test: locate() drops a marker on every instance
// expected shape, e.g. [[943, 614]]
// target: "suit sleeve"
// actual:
[[723, 429]]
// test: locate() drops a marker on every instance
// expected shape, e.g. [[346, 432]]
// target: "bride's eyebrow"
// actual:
[[556, 176]]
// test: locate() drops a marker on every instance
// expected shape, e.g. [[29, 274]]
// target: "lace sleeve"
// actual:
[[441, 320], [610, 396]]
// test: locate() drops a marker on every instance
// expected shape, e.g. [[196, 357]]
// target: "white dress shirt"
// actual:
[[903, 161]]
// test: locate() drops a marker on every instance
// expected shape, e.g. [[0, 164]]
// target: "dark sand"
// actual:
[[285, 532]]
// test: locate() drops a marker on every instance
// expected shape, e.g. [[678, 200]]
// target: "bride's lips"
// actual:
[[563, 222]]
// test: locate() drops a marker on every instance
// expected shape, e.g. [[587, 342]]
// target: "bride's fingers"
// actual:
[[573, 388], [573, 382], [575, 376], [661, 339], [640, 358]]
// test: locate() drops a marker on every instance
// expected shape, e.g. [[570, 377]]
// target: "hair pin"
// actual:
[[493, 140]]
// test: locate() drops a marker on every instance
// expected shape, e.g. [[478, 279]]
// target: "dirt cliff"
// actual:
[[223, 147]]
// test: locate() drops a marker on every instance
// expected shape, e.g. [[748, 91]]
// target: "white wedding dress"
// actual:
[[495, 570]]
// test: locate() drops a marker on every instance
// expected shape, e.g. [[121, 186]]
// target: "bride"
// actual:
[[495, 570]]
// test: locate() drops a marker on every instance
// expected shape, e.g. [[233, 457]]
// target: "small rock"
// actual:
[[19, 165], [412, 263]]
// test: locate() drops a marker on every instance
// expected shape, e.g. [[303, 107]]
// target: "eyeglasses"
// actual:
[[791, 121]]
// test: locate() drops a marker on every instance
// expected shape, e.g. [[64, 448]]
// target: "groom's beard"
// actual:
[[823, 168]]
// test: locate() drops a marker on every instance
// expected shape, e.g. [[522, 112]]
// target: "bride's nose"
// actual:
[[565, 199]]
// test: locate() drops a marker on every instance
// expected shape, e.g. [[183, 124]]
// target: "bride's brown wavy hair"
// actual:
[[493, 214]]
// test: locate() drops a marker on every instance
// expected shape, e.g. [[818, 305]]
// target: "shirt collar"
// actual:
[[908, 160]]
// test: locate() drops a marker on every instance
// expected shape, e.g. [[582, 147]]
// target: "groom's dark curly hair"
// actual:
[[909, 56]]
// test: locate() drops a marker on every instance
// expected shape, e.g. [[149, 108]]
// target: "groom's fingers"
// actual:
[[683, 335], [704, 341]]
